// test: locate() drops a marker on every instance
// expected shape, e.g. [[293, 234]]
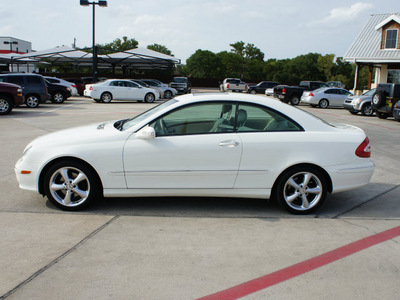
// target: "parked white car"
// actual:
[[211, 145], [166, 92], [326, 96], [71, 85], [120, 89]]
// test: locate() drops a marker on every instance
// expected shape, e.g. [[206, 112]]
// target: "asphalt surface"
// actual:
[[188, 248]]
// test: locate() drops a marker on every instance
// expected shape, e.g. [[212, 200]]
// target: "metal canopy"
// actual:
[[138, 58]]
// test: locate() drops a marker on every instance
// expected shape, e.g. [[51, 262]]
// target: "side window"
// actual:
[[202, 118], [16, 80], [34, 80], [331, 91], [253, 118], [114, 83], [131, 84], [51, 80]]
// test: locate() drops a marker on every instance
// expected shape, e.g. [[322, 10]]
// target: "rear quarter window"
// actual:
[[34, 80]]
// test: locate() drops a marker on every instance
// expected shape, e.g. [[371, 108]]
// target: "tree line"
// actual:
[[247, 62]]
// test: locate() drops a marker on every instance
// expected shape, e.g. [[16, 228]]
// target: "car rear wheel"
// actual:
[[295, 100], [367, 110], [32, 101], [168, 95], [301, 190], [106, 97], [323, 103], [149, 98], [5, 105], [253, 92], [58, 97], [71, 186]]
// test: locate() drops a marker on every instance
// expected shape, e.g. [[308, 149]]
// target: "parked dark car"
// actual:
[[181, 84], [10, 96], [33, 87], [80, 84], [58, 93], [385, 99], [292, 94], [261, 87]]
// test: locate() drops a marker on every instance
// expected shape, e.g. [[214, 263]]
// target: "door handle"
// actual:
[[229, 143]]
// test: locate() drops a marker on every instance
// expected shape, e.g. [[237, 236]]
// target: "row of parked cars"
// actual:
[[32, 89], [143, 90]]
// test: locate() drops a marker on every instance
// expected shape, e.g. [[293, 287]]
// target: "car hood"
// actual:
[[92, 133], [360, 97]]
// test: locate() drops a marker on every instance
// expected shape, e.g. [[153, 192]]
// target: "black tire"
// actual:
[[292, 190], [323, 103], [106, 97], [58, 97], [66, 192], [97, 100], [367, 110], [167, 94], [381, 115], [6, 105], [295, 100], [149, 98], [32, 101], [378, 99]]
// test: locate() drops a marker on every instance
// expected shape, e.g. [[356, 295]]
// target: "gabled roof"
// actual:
[[366, 47], [395, 18]]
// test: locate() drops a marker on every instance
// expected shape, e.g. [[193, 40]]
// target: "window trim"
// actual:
[[396, 40]]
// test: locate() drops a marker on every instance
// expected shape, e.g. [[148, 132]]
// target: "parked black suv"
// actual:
[[181, 84], [385, 99], [33, 87], [58, 92]]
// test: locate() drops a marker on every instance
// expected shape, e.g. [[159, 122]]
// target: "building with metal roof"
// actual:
[[378, 46]]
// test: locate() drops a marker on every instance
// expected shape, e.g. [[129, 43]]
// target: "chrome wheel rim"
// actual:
[[58, 98], [4, 105], [149, 98], [106, 98], [32, 101], [69, 186], [323, 104], [375, 99], [368, 111], [303, 191]]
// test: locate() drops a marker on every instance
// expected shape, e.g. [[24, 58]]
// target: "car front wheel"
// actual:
[[301, 190], [168, 95], [71, 186], [149, 98], [367, 110], [5, 105]]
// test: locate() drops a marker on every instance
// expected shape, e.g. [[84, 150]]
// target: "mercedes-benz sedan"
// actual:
[[212, 145]]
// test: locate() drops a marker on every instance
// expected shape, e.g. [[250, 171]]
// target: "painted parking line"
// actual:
[[61, 107], [271, 279]]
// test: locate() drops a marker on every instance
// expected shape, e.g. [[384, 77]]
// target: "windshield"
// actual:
[[369, 93], [179, 79], [136, 120]]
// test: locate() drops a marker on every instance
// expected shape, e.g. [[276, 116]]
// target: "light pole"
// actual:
[[94, 59]]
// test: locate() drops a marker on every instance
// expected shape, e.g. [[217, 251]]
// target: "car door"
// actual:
[[134, 91], [118, 89], [195, 147]]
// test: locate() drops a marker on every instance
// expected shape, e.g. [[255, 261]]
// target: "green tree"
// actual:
[[160, 48], [119, 45], [204, 64], [247, 53]]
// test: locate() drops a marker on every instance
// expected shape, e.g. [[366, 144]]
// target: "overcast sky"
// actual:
[[281, 29]]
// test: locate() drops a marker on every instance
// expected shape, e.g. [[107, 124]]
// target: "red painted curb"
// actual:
[[271, 279]]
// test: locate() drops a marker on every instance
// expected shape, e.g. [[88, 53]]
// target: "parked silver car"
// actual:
[[361, 103], [326, 96]]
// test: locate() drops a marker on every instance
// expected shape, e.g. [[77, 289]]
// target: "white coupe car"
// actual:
[[120, 89], [213, 145]]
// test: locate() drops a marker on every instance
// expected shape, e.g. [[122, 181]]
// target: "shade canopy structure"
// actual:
[[138, 58]]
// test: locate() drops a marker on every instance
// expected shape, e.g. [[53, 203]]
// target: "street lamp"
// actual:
[[101, 4]]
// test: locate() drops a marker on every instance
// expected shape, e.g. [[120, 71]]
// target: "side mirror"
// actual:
[[146, 133]]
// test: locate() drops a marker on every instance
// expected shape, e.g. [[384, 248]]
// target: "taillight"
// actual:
[[73, 85], [227, 85], [91, 87], [364, 150], [310, 94], [283, 91]]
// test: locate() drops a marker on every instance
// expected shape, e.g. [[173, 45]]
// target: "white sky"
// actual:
[[281, 29]]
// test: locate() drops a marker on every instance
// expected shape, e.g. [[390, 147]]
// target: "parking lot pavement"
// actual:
[[187, 248]]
